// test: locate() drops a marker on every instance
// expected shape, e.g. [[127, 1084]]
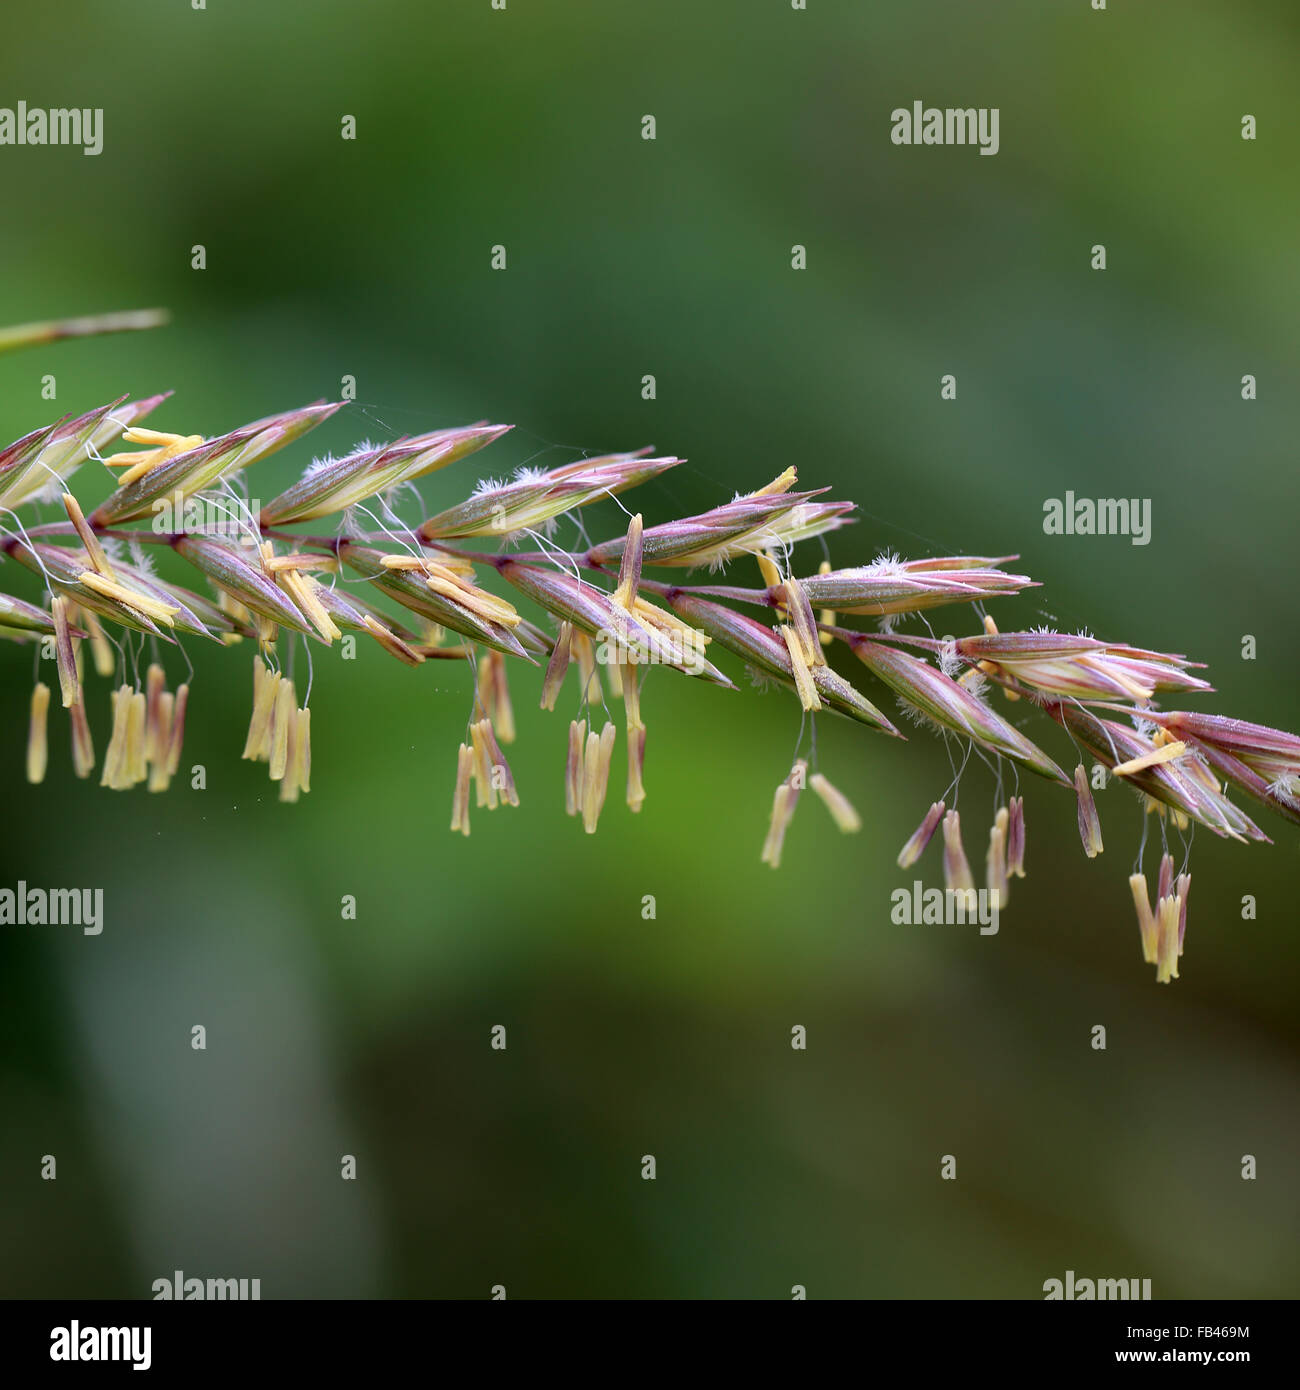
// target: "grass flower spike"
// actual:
[[508, 574]]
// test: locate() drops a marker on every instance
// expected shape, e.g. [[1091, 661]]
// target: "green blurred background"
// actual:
[[668, 1037]]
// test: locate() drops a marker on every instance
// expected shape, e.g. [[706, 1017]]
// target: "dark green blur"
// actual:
[[670, 1037]]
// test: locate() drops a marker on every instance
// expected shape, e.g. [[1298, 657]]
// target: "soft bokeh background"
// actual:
[[668, 1037]]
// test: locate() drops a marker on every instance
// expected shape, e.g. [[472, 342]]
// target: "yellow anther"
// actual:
[[1161, 755], [108, 588], [828, 616], [783, 482], [767, 568], [94, 551], [803, 680], [37, 741], [170, 446], [840, 807]]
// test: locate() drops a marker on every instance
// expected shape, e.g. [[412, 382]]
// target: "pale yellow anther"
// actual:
[[485, 788], [803, 622], [111, 775], [158, 741], [597, 757], [141, 434], [283, 714], [840, 807], [38, 750], [460, 797], [996, 869], [94, 551], [300, 560], [1131, 687], [134, 766], [629, 574], [784, 801], [119, 593], [1167, 915], [266, 685], [302, 589], [494, 694], [155, 733], [289, 782], [176, 735], [669, 623], [478, 601], [767, 568], [802, 672], [304, 749], [574, 770], [1146, 921], [391, 642], [585, 655], [1167, 754], [783, 482], [828, 615], [957, 876], [169, 446], [100, 648]]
